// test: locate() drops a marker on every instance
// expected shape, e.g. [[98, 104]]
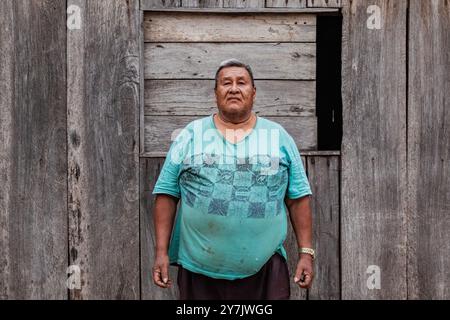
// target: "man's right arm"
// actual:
[[164, 215]]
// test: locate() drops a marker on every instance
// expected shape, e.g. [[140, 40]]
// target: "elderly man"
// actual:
[[236, 173]]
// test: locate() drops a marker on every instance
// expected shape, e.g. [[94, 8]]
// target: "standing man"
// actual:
[[236, 173]]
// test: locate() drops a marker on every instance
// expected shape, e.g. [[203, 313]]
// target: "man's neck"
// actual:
[[246, 123]]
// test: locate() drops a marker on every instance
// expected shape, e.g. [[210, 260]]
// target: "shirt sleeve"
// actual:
[[298, 184], [168, 182]]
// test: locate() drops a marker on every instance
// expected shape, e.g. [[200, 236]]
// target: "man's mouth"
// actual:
[[234, 98]]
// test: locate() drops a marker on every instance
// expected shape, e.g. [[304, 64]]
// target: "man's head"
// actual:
[[235, 89]]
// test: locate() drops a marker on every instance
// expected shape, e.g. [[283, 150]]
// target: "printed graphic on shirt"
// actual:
[[240, 189]]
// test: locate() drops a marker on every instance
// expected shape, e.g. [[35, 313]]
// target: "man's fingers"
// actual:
[[306, 282], [165, 274], [158, 278], [303, 278], [298, 274]]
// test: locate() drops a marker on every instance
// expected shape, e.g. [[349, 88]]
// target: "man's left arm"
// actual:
[[301, 219]]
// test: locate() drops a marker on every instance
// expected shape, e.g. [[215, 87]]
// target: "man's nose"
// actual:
[[234, 88]]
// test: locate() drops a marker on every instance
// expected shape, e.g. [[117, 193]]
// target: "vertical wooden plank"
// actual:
[[155, 4], [291, 247], [150, 169], [202, 3], [103, 160], [374, 150], [324, 3], [323, 174], [285, 3], [33, 180], [243, 3], [429, 151]]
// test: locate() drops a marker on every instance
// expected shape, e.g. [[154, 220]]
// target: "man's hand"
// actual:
[[161, 271], [304, 273]]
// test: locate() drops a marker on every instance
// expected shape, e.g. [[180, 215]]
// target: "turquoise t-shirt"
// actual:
[[232, 216]]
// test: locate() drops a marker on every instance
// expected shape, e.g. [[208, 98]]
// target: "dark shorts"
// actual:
[[269, 283]]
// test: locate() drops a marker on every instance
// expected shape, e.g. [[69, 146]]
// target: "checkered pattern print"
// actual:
[[239, 189]]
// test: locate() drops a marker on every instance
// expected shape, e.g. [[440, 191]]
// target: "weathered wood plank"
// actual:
[[374, 151], [159, 129], [323, 175], [196, 97], [193, 27], [103, 133], [304, 153], [326, 3], [243, 3], [150, 169], [285, 3], [155, 4], [293, 61], [33, 178], [247, 10], [202, 3], [291, 247], [429, 151]]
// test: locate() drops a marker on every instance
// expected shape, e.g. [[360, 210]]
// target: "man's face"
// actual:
[[234, 93]]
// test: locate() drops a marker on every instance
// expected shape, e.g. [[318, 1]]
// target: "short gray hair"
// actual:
[[234, 63]]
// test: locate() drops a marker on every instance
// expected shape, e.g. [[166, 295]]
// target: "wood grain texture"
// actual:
[[325, 3], [291, 247], [429, 151], [323, 176], [373, 185], [150, 169], [194, 27], [202, 3], [262, 10], [196, 97], [285, 3], [103, 164], [289, 61], [33, 200], [159, 129], [155, 4], [243, 3]]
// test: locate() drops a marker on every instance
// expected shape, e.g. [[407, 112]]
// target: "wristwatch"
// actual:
[[309, 251]]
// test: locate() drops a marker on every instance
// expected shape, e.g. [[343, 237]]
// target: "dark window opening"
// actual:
[[328, 83]]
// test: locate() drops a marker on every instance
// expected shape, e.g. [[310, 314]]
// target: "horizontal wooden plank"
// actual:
[[243, 3], [196, 97], [325, 3], [307, 153], [202, 3], [294, 61], [285, 3], [158, 4], [191, 27], [242, 10], [159, 129]]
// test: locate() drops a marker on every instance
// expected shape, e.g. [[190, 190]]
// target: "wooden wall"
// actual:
[[374, 185], [429, 150], [183, 50], [33, 150], [76, 181], [69, 149], [395, 152], [103, 101]]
